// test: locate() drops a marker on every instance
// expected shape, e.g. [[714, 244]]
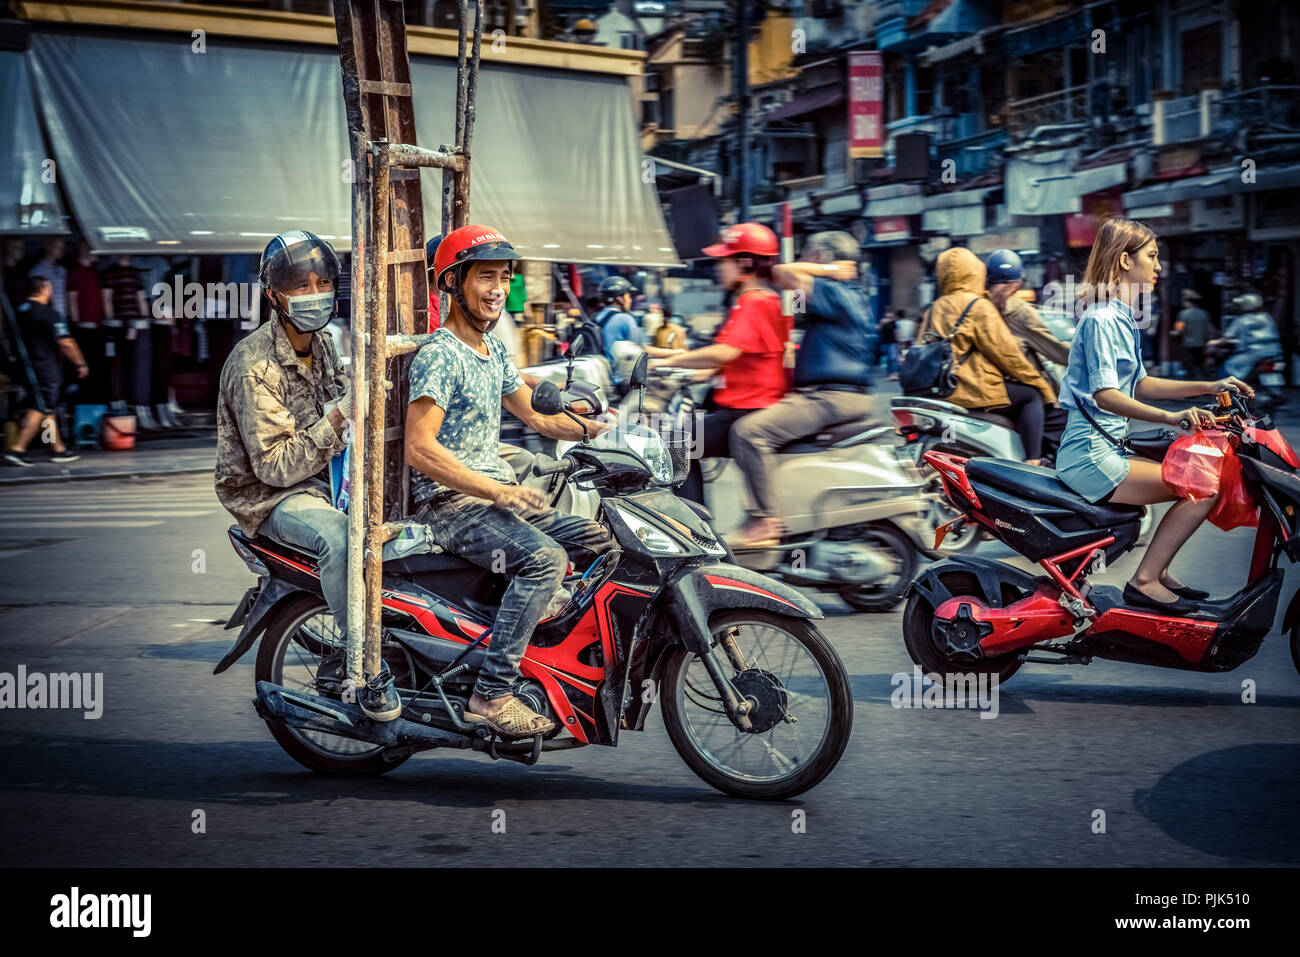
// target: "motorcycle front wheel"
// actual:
[[802, 707], [300, 636]]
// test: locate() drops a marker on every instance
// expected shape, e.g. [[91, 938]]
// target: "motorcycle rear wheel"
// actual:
[[288, 657], [883, 597], [918, 638], [706, 738]]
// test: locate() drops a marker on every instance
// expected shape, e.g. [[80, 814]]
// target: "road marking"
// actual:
[[88, 524], [18, 517], [89, 628]]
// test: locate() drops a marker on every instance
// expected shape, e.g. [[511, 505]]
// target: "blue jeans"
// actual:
[[306, 521], [532, 546]]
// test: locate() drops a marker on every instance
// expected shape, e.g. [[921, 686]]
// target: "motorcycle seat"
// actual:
[[991, 417], [1152, 444], [1041, 485], [410, 565], [829, 436]]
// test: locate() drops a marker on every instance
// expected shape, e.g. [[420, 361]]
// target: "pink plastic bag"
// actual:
[[1194, 463]]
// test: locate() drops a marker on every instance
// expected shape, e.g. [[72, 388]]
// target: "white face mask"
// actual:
[[312, 312]]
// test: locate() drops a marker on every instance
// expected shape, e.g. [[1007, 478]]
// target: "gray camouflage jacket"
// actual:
[[272, 437]]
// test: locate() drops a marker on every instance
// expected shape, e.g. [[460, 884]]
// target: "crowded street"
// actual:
[[1184, 771]]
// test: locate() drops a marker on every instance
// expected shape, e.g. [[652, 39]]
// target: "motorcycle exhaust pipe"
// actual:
[[308, 712]]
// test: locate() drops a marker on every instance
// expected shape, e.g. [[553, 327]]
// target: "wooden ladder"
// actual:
[[390, 296]]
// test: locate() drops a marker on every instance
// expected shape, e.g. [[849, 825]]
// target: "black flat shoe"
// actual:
[[1191, 594], [1139, 599]]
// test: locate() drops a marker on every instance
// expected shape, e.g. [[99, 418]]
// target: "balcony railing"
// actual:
[[1048, 109], [1270, 105]]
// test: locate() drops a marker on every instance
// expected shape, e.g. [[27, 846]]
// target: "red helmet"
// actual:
[[752, 238], [467, 244]]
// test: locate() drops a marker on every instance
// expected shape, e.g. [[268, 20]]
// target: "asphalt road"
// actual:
[[129, 577]]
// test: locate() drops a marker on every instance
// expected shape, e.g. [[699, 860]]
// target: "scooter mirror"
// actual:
[[575, 349], [546, 399], [637, 379]]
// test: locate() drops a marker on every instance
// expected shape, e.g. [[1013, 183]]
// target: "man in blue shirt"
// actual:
[[832, 374], [616, 324]]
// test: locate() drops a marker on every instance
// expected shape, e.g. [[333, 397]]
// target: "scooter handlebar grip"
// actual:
[[561, 466]]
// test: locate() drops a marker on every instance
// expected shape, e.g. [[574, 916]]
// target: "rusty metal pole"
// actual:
[[376, 371], [467, 77], [361, 312]]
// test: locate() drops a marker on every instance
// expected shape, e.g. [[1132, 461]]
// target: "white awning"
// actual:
[[1048, 183], [162, 149], [29, 196], [954, 220], [961, 197]]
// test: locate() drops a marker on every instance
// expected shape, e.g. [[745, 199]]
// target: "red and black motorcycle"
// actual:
[[755, 699], [967, 615]]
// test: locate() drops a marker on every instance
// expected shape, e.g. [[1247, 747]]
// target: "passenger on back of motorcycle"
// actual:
[[749, 349], [1006, 274], [993, 374], [832, 375], [1105, 386], [465, 491]]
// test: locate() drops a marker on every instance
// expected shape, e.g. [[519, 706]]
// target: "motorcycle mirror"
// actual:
[[637, 379], [546, 399], [575, 348]]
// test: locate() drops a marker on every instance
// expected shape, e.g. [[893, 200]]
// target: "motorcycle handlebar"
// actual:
[[563, 465]]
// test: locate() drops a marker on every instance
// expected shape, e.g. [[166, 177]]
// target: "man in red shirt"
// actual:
[[749, 349]]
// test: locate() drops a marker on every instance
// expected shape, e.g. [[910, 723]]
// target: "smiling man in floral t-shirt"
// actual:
[[462, 487]]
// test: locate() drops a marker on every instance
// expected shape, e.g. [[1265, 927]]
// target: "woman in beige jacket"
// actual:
[[993, 374]]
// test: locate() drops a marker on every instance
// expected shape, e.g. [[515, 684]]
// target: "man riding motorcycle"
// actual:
[[1255, 334], [616, 324], [749, 348], [465, 491], [832, 373], [283, 407], [1005, 276]]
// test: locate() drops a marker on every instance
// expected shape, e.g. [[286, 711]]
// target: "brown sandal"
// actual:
[[515, 720]]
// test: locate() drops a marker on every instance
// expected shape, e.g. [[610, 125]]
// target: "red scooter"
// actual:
[[972, 615]]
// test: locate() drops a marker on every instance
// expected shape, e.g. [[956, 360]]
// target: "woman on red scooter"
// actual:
[[749, 349], [1106, 386]]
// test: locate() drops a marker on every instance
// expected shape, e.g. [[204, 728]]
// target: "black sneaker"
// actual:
[[20, 459], [66, 456], [379, 700]]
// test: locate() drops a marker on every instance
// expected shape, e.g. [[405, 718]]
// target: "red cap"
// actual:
[[753, 238]]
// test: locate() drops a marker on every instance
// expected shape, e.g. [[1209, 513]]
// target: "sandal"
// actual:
[[515, 720]]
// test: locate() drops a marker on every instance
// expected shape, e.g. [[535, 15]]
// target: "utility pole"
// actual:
[[742, 105]]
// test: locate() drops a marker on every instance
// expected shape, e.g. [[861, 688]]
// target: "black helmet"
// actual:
[[614, 287], [431, 250], [288, 261], [290, 258]]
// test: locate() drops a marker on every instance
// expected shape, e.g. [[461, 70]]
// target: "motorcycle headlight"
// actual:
[[651, 537]]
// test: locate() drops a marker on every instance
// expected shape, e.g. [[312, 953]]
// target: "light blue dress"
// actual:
[[1106, 354]]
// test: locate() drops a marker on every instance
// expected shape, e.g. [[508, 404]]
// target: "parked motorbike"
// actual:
[[971, 615], [857, 521], [755, 699], [932, 425]]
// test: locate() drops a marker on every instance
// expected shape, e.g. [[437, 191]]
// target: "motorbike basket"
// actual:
[[677, 440]]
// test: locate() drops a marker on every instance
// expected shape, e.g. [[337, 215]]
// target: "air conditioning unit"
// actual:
[[1218, 213]]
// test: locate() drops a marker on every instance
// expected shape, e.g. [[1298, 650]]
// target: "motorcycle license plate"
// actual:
[[1271, 379]]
